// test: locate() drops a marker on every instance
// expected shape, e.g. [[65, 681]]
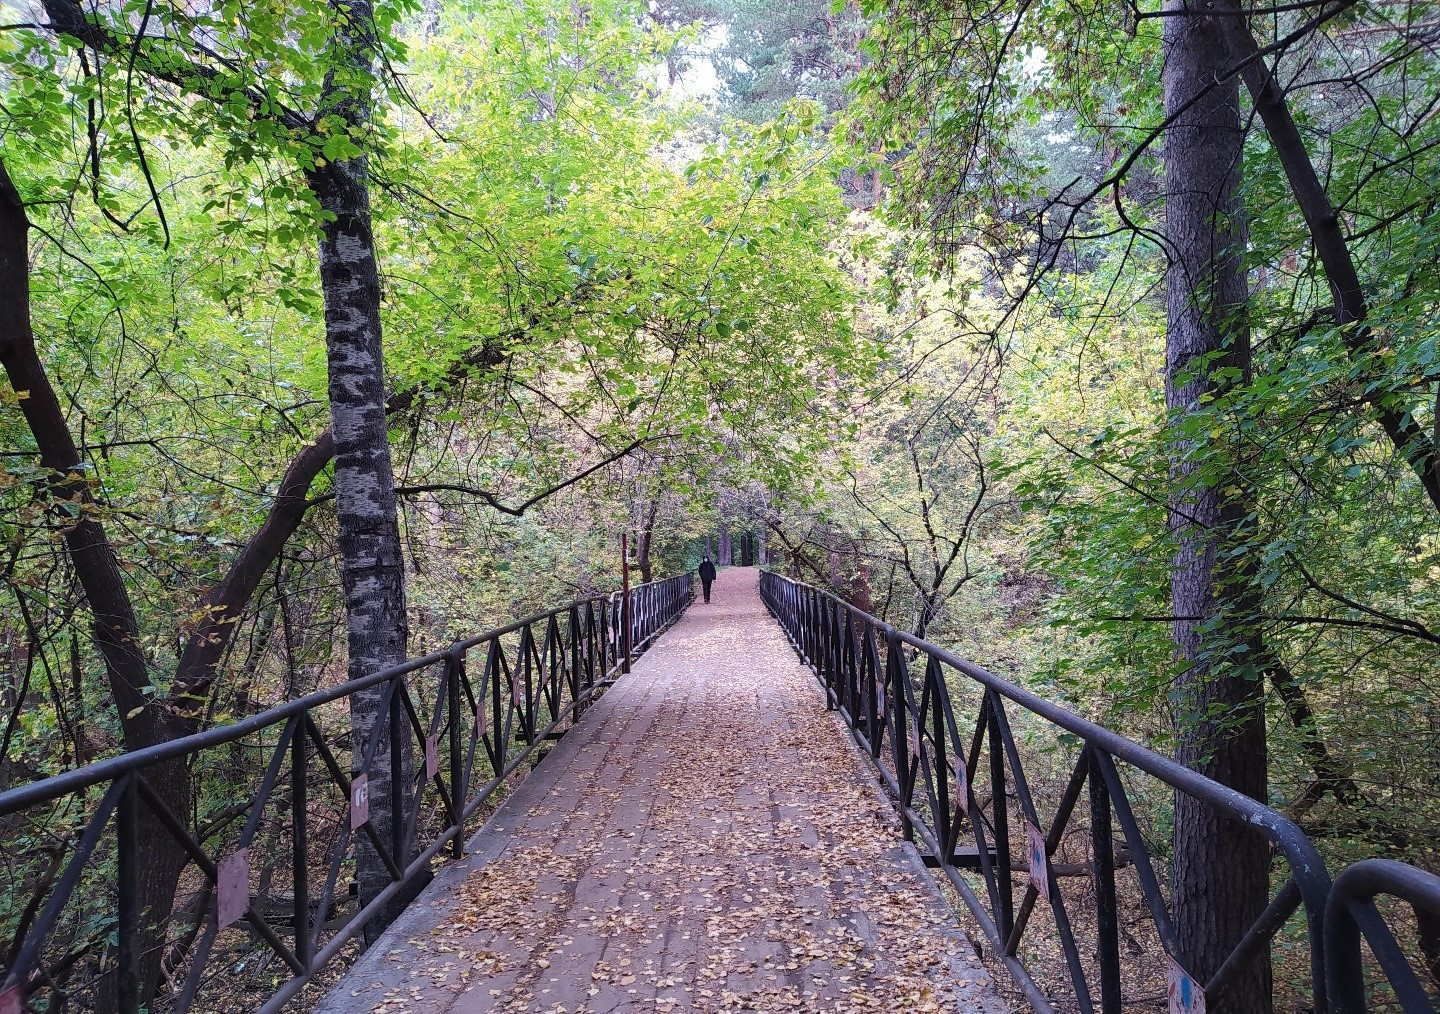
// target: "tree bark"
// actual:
[[371, 560], [643, 540], [1220, 876]]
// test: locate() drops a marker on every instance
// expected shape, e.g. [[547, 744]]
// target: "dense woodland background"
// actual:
[[908, 286]]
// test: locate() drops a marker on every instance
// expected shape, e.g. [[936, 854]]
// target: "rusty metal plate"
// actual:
[[11, 1001], [232, 887], [359, 801], [1039, 868]]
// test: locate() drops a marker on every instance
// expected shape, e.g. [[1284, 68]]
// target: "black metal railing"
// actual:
[[470, 715], [899, 694], [1352, 915]]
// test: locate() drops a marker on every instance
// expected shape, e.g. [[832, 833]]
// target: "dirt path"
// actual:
[[707, 839]]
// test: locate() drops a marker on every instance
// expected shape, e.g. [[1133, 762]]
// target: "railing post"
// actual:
[[398, 794], [300, 846], [453, 663], [874, 691], [1107, 944], [1005, 918], [127, 860], [577, 657], [944, 837], [899, 738], [625, 633], [1344, 970]]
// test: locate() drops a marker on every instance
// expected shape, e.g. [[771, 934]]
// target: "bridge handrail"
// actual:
[[1351, 915], [524, 693], [931, 766]]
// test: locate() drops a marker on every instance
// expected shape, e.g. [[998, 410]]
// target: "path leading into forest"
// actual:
[[706, 839]]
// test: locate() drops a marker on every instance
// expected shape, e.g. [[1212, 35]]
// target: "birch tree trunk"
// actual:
[[1221, 870], [372, 567]]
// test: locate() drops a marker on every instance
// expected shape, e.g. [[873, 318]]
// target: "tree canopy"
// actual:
[[300, 293]]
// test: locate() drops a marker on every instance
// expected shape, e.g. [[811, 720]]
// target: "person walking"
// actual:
[[707, 576]]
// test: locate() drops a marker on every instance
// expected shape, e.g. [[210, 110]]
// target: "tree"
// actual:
[[350, 44], [719, 303], [1220, 874]]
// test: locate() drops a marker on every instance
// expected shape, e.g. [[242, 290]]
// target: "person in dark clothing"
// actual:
[[707, 576]]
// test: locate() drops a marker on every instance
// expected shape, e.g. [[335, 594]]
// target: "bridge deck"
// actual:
[[707, 839]]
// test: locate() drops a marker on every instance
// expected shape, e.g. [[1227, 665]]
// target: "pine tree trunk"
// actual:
[[1220, 876]]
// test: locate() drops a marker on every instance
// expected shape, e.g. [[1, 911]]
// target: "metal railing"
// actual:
[[471, 714], [1352, 914], [652, 607], [895, 691]]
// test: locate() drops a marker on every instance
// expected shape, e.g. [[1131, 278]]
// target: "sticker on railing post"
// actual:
[[232, 887], [359, 801], [480, 718], [432, 755], [913, 727], [1039, 868], [1185, 994], [962, 783], [11, 1002]]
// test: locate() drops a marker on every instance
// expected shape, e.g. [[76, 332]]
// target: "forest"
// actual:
[[1093, 341]]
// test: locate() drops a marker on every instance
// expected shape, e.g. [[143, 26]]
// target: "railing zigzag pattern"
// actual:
[[538, 673], [949, 787]]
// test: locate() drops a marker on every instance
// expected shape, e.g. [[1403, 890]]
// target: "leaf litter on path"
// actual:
[[713, 843]]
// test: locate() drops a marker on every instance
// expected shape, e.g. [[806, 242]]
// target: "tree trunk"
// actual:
[[371, 561], [114, 627], [1220, 876], [724, 552], [643, 541]]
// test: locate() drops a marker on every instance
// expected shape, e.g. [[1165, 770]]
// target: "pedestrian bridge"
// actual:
[[708, 830], [707, 839]]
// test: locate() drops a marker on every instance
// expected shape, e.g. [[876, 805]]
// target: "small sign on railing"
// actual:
[[432, 755], [962, 783], [1185, 994], [359, 802], [10, 1001], [1039, 868], [232, 887]]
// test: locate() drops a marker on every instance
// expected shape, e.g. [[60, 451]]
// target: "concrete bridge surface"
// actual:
[[707, 838]]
